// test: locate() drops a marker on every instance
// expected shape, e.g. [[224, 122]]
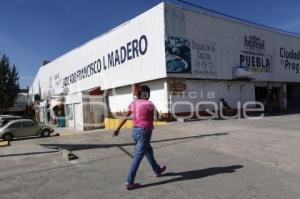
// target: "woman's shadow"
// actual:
[[196, 174]]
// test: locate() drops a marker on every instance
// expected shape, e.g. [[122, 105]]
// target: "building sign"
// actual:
[[290, 59], [178, 55], [57, 80], [132, 50], [204, 57], [254, 55]]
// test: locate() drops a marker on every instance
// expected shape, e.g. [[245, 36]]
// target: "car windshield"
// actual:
[[3, 122]]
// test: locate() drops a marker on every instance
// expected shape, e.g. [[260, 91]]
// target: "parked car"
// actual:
[[23, 128], [3, 116], [9, 116], [5, 119]]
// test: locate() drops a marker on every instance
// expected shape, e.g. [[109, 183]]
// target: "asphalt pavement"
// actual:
[[212, 159]]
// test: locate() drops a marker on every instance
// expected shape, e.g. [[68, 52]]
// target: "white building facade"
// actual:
[[183, 56]]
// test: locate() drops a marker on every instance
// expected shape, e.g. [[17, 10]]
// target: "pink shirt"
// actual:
[[142, 113]]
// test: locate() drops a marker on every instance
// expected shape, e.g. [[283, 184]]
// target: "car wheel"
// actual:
[[45, 133], [8, 137]]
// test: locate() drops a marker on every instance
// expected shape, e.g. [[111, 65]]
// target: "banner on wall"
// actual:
[[190, 56], [220, 46], [253, 55], [290, 59], [178, 55], [204, 57]]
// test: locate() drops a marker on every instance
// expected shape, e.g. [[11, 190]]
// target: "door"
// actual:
[[277, 98], [70, 116], [261, 93], [293, 97], [78, 116], [16, 129], [30, 129]]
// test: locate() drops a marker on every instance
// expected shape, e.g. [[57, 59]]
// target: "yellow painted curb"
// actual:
[[4, 143], [112, 123]]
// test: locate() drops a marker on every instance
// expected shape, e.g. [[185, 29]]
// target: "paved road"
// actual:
[[212, 159]]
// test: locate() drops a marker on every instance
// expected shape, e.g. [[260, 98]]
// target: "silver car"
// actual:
[[5, 119], [23, 128], [9, 116]]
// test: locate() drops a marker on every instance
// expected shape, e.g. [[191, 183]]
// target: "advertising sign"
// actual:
[[178, 55], [290, 59], [253, 55], [203, 57], [184, 56]]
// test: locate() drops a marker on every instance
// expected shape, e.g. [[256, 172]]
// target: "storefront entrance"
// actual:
[[271, 98], [261, 94], [93, 109], [293, 96]]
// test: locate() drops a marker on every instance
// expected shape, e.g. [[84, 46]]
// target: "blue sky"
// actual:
[[36, 30]]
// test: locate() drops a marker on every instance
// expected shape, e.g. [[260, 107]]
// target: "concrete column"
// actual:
[[284, 96]]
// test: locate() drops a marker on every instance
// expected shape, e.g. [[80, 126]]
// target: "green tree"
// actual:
[[9, 83]]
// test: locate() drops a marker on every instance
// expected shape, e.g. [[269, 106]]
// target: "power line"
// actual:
[[191, 22], [188, 3], [237, 18], [212, 11], [220, 15]]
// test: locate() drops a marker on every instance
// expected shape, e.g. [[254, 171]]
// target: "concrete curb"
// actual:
[[112, 123], [67, 155]]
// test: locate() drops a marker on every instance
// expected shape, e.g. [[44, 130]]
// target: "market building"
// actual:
[[185, 56]]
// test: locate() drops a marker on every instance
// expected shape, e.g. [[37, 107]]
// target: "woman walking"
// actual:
[[142, 111]]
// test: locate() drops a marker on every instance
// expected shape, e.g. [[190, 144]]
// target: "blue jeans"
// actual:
[[142, 138]]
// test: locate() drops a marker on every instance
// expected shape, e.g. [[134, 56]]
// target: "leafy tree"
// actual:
[[9, 83]]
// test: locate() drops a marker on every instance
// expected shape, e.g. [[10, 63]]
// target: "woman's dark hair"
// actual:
[[144, 92]]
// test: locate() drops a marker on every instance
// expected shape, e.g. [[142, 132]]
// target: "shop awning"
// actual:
[[55, 103]]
